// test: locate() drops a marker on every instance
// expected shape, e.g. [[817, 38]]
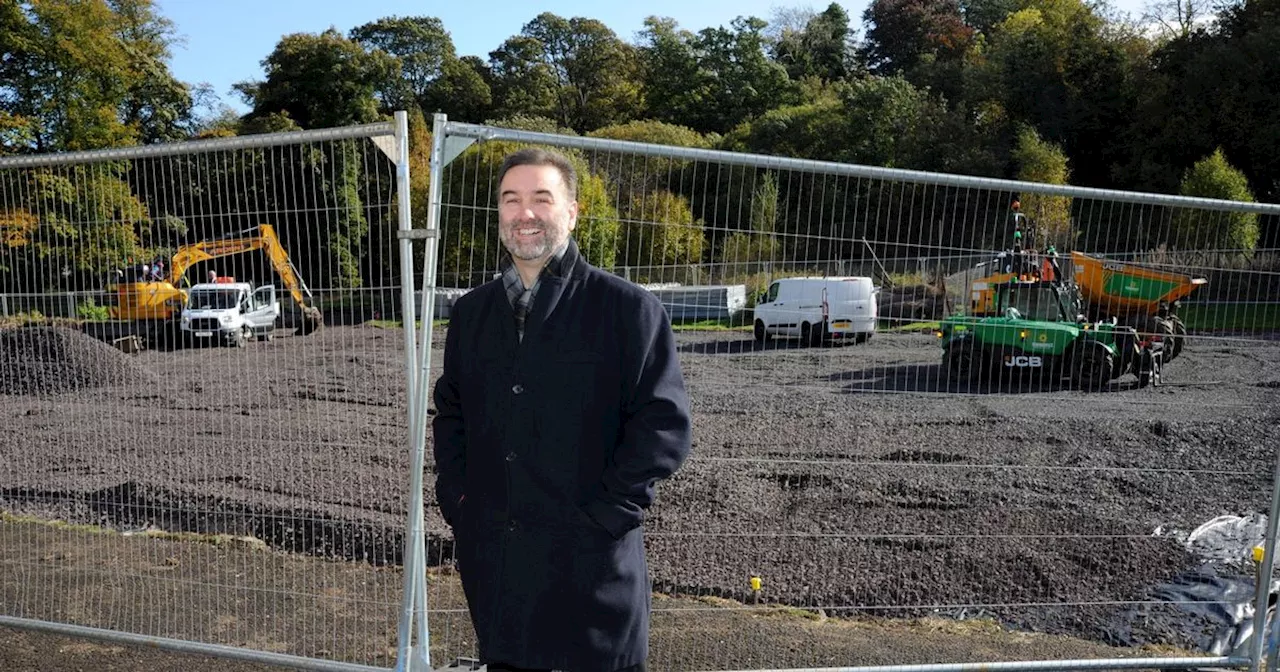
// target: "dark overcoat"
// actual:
[[548, 451]]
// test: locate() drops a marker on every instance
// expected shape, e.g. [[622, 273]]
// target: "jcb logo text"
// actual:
[[1022, 361]]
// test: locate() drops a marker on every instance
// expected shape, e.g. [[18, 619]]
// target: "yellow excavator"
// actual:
[[158, 299]]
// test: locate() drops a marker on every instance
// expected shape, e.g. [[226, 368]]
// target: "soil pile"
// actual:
[[914, 302], [54, 360]]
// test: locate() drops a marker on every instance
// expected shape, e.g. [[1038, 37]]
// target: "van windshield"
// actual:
[[213, 299]]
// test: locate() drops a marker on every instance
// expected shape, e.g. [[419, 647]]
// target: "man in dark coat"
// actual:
[[560, 407]]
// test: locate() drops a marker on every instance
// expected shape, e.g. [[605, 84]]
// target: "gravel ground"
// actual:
[[850, 479]]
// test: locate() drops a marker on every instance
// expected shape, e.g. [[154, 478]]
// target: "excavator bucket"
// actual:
[[312, 320]]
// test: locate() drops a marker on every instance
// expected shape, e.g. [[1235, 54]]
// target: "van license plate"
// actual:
[[204, 334], [841, 324]]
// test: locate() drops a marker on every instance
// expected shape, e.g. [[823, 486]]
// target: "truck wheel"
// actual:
[[1091, 365], [762, 334], [242, 338], [961, 360]]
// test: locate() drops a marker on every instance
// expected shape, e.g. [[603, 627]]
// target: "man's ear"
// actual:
[[573, 215]]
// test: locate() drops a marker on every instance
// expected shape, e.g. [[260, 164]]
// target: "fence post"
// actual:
[[1264, 575]]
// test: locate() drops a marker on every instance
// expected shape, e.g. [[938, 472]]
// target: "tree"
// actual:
[[461, 92], [652, 172], [156, 105], [1177, 18], [431, 76], [320, 81], [419, 43], [758, 244], [1057, 66], [902, 34], [674, 90], [1214, 177], [661, 232], [591, 76], [522, 83], [86, 74], [740, 80], [983, 15], [83, 220], [714, 80], [1045, 163], [821, 48]]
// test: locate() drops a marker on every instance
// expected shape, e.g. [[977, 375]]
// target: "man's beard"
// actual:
[[552, 237]]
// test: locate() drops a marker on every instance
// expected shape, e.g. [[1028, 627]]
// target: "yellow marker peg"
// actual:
[[756, 583], [1257, 554]]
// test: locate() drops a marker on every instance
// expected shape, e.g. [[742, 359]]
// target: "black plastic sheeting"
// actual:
[[1211, 608]]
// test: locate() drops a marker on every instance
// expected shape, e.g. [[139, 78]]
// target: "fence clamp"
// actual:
[[415, 234]]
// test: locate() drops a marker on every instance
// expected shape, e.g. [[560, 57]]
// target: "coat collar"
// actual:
[[571, 268]]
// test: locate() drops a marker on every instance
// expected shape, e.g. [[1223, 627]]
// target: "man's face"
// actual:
[[535, 214]]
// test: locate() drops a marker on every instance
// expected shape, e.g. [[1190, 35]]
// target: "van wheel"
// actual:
[[814, 334], [762, 334]]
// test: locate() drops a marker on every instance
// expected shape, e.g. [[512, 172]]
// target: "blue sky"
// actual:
[[224, 42]]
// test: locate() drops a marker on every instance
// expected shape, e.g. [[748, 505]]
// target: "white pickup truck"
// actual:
[[229, 313]]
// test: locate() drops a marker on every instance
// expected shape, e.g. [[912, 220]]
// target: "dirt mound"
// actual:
[[914, 302], [53, 360]]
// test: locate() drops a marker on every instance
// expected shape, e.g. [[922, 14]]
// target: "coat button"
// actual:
[[511, 526], [511, 457], [517, 388]]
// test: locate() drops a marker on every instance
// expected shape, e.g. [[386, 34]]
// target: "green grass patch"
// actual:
[[711, 325], [893, 327], [399, 324], [1208, 317]]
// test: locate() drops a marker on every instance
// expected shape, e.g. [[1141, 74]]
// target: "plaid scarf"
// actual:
[[521, 297]]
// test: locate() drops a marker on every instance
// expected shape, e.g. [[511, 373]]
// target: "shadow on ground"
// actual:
[[932, 378], [749, 345]]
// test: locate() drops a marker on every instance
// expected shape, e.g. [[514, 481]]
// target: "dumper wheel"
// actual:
[[1148, 369], [1175, 343], [1092, 365]]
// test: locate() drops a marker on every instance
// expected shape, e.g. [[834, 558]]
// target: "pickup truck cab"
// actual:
[[229, 313]]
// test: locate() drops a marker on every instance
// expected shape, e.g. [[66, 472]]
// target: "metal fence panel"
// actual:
[[858, 499], [188, 460]]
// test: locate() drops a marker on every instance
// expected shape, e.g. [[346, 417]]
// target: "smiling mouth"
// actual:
[[528, 232]]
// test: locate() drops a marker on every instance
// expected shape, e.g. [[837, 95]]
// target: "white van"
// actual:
[[229, 313], [817, 309]]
